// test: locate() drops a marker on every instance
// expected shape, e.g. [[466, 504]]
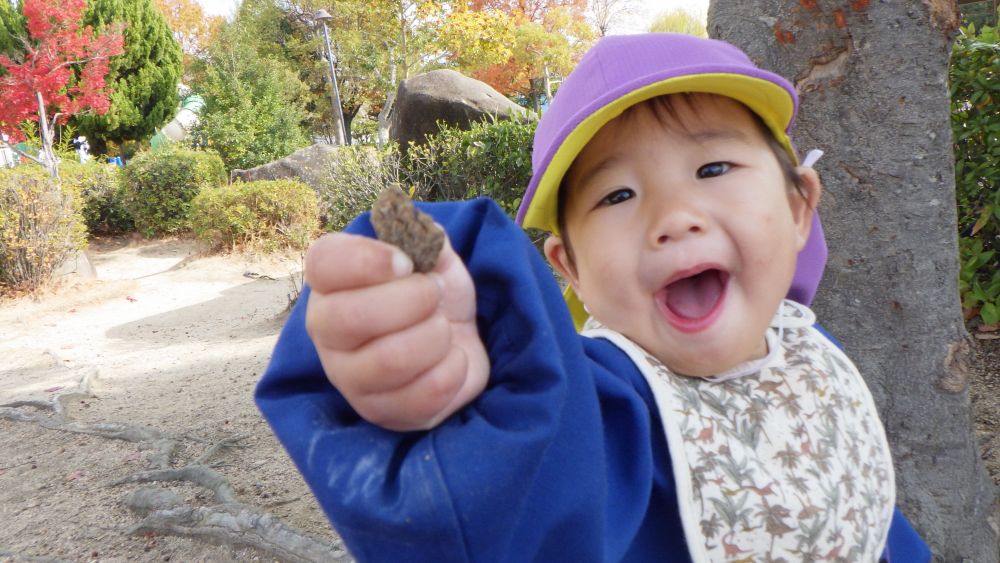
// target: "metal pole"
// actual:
[[338, 113]]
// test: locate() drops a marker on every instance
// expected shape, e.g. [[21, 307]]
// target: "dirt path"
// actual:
[[167, 341]]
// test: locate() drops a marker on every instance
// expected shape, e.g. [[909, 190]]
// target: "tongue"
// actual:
[[694, 297]]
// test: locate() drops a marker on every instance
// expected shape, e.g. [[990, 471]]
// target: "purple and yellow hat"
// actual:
[[621, 71]]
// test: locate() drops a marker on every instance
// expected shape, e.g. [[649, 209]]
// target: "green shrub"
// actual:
[[264, 215], [364, 129], [490, 159], [255, 110], [40, 227], [975, 105], [355, 179], [159, 186], [979, 280], [100, 187]]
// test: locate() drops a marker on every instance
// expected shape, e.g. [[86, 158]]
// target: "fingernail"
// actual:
[[401, 264]]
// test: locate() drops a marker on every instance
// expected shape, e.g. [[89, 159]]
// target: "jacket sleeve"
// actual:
[[904, 544], [552, 462]]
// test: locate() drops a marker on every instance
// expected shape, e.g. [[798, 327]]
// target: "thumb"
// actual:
[[459, 293]]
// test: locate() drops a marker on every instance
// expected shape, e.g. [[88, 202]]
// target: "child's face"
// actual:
[[684, 232]]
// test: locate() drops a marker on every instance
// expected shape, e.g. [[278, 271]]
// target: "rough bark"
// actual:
[[384, 116], [872, 77]]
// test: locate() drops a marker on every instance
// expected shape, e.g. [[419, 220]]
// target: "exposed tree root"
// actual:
[[197, 474], [227, 522], [162, 446], [239, 524]]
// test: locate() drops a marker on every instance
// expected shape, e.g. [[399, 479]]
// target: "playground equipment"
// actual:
[[182, 123]]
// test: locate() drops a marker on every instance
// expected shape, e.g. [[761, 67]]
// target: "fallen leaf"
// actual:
[[988, 328]]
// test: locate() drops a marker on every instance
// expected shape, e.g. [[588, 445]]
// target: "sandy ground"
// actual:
[[171, 339], [166, 338]]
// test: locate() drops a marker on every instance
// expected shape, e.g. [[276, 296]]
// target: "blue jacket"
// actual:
[[562, 458]]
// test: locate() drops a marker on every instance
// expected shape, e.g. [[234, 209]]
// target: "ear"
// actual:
[[558, 255], [804, 204]]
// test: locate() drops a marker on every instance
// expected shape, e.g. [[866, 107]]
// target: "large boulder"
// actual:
[[448, 96], [309, 165]]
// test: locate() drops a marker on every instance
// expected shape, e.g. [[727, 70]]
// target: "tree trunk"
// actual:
[[402, 40], [348, 120], [383, 117], [48, 154], [872, 77], [382, 135]]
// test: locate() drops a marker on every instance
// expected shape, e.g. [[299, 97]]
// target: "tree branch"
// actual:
[[4, 144]]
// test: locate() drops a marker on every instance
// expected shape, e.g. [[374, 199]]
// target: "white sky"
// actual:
[[645, 10], [219, 7]]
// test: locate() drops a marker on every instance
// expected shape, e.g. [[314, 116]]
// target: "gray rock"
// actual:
[[79, 264], [448, 96], [309, 165]]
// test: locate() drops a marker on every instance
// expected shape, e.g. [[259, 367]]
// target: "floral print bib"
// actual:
[[789, 463]]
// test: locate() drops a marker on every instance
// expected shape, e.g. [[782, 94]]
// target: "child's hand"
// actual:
[[402, 348]]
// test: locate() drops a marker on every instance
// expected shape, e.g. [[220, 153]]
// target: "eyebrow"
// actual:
[[701, 137], [583, 177], [707, 135]]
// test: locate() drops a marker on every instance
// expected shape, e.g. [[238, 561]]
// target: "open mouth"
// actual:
[[692, 302]]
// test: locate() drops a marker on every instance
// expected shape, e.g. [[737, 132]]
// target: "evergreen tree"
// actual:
[[362, 34], [254, 112], [143, 79], [11, 29]]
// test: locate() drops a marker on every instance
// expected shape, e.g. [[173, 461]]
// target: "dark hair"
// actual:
[[663, 107]]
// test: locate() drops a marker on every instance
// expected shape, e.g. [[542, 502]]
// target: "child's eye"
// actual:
[[714, 169], [617, 197]]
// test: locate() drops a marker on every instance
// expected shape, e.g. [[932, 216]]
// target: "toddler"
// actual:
[[698, 415]]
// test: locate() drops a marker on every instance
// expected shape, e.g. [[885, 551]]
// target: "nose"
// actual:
[[674, 217]]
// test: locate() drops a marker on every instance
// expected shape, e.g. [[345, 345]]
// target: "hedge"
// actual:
[[40, 227]]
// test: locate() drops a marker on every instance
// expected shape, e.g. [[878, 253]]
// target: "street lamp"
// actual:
[[323, 16]]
